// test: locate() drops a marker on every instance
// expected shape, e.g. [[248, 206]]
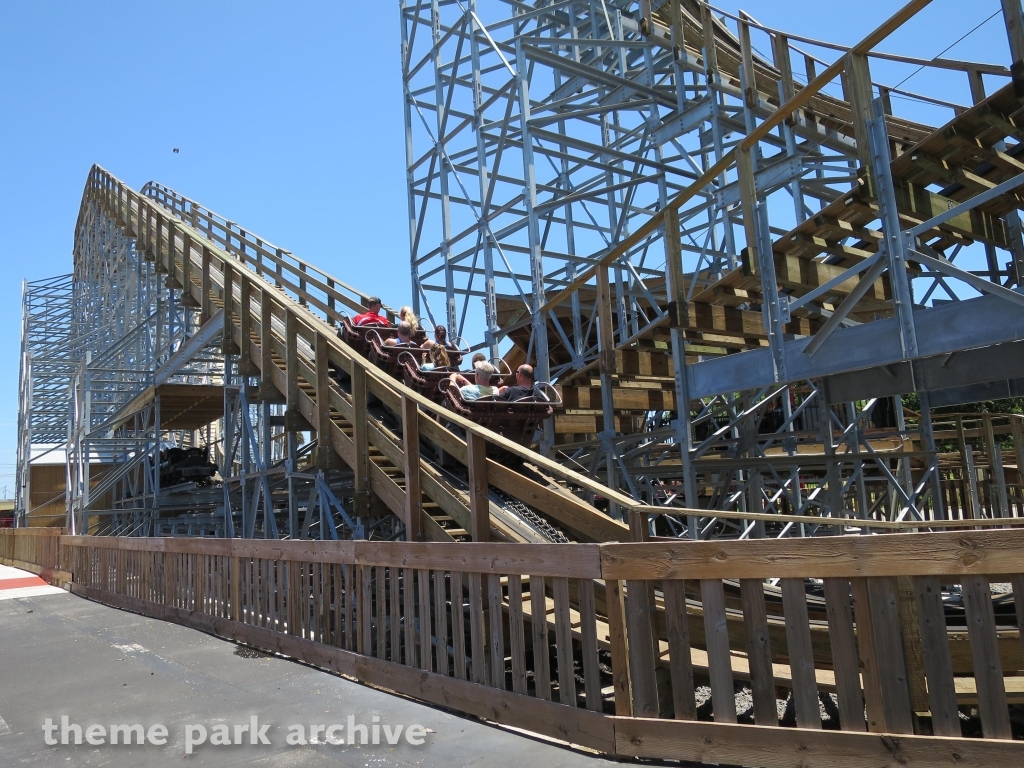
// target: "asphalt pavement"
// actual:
[[64, 656]]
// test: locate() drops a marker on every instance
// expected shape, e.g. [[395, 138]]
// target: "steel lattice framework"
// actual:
[[47, 365], [615, 176], [540, 136]]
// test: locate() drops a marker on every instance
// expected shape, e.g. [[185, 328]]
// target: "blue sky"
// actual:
[[288, 119]]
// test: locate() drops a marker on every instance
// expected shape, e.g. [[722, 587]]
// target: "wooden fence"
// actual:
[[661, 650], [982, 478], [34, 548]]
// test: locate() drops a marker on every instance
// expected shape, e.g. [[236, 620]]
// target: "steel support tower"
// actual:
[[615, 188]]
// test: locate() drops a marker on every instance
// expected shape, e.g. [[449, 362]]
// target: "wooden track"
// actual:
[[828, 112], [293, 350]]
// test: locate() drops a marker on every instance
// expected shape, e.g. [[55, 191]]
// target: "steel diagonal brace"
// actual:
[[978, 283], [607, 441], [432, 52], [482, 220], [307, 521], [881, 461], [874, 272], [325, 489], [701, 449], [577, 360], [493, 44], [782, 430], [839, 279], [190, 348], [268, 515], [974, 202]]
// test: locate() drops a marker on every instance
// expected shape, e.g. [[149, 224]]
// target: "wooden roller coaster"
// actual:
[[563, 564]]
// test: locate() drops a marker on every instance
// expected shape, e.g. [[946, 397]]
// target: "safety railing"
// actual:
[[885, 650], [306, 282]]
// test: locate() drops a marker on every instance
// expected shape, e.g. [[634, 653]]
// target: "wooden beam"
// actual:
[[749, 79], [267, 388], [738, 323], [707, 23], [724, 744], [228, 345], [784, 63], [606, 333], [291, 334], [205, 311], [921, 204], [245, 364], [480, 519], [804, 275], [858, 76], [323, 405], [748, 203], [411, 454], [899, 554], [623, 398], [359, 436]]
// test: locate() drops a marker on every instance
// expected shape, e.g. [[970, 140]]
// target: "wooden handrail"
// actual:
[[952, 554]]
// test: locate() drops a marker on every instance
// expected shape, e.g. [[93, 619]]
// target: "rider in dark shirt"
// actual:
[[523, 388]]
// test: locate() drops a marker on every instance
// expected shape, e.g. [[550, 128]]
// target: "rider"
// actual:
[[436, 356], [404, 336], [372, 314], [484, 373], [523, 388], [406, 313]]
